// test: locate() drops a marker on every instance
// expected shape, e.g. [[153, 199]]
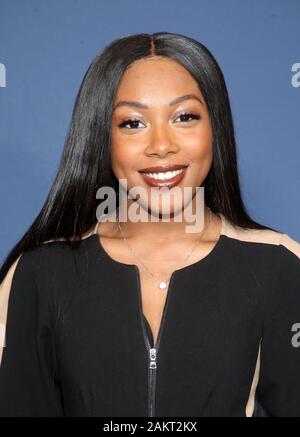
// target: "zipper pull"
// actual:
[[152, 358]]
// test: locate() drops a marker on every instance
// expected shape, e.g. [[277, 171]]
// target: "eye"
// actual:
[[187, 115], [132, 122]]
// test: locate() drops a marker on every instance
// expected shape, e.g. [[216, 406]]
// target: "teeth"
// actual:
[[165, 175]]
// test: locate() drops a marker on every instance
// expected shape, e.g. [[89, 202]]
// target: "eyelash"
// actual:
[[130, 120]]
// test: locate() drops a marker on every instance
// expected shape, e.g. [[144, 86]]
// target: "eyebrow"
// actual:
[[136, 104]]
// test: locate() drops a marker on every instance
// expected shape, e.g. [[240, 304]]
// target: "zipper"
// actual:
[[152, 351]]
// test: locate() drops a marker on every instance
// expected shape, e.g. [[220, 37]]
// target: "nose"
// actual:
[[160, 143]]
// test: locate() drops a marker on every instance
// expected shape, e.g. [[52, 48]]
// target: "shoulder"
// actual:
[[44, 269], [51, 255], [37, 260], [265, 253], [289, 245], [58, 253], [23, 269], [260, 240]]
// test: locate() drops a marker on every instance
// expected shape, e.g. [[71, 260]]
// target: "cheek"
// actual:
[[125, 156], [198, 146]]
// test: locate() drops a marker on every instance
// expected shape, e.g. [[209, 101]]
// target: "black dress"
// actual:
[[78, 343]]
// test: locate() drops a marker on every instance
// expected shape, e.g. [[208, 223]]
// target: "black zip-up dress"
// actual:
[[77, 342]]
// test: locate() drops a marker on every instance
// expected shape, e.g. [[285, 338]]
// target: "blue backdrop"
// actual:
[[46, 47]]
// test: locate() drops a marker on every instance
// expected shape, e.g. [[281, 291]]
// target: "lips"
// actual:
[[163, 168], [164, 176]]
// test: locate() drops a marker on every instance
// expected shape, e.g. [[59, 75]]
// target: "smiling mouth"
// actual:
[[164, 178]]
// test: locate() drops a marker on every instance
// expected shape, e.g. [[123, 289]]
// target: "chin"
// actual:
[[163, 208]]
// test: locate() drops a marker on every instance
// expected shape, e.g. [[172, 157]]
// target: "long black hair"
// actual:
[[70, 207]]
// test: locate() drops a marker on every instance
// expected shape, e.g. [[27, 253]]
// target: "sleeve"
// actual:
[[279, 382], [28, 374]]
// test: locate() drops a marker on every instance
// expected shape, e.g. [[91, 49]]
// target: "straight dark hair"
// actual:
[[70, 207]]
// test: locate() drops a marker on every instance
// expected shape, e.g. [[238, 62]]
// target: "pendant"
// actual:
[[162, 285]]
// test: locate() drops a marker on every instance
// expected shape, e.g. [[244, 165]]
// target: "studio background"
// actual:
[[46, 47]]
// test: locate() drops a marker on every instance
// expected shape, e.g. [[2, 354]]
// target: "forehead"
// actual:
[[156, 79]]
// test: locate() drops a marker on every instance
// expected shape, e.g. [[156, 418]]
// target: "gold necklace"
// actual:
[[162, 285]]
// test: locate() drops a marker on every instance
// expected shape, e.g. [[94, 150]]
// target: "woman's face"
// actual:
[[154, 133]]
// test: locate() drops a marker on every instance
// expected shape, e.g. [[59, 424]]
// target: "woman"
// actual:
[[141, 318]]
